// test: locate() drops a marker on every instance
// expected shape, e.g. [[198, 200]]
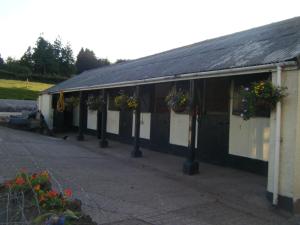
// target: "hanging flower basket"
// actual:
[[178, 100], [132, 103], [71, 103], [123, 101], [95, 103], [262, 93]]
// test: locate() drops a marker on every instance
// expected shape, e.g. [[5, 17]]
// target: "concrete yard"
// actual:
[[119, 190]]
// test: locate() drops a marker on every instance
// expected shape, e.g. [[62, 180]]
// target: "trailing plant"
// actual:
[[132, 102], [121, 100], [124, 101], [95, 102], [177, 100], [262, 93], [71, 102]]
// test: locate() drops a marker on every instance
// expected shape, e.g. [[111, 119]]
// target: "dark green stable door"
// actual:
[[126, 125], [160, 118], [213, 128]]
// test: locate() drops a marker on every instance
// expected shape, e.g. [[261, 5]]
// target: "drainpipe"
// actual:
[[277, 142]]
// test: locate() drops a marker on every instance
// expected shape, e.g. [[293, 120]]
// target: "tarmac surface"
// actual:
[[118, 190]]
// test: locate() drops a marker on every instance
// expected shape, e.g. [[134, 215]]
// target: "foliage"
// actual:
[[86, 59], [132, 103], [123, 101], [260, 93], [71, 102], [42, 204], [177, 100], [46, 78], [14, 89], [1, 60], [50, 58], [25, 182], [121, 61], [14, 66], [95, 102]]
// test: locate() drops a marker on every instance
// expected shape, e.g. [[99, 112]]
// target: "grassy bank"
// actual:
[[16, 89]]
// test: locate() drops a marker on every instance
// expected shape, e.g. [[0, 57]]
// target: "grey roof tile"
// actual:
[[276, 42]]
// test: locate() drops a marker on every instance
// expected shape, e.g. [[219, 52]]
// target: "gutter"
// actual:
[[187, 76], [277, 141]]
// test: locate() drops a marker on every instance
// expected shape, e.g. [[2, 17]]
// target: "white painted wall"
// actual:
[[249, 138], [45, 106], [92, 119], [179, 128], [289, 170], [113, 121], [76, 116], [144, 125]]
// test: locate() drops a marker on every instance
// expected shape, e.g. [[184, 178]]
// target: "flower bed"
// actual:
[[42, 204]]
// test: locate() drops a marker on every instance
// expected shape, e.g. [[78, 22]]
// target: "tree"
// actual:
[[1, 61], [86, 59], [121, 61], [26, 59], [66, 61], [44, 58], [103, 62]]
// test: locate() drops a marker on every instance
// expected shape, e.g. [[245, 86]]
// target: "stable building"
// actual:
[[211, 129]]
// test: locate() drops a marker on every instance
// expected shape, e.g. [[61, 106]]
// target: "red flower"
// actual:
[[20, 181], [68, 192]]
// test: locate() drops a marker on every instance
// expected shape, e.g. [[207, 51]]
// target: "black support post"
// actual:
[[136, 151], [80, 136], [191, 166], [103, 141]]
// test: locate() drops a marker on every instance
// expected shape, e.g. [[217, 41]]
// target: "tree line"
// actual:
[[48, 59]]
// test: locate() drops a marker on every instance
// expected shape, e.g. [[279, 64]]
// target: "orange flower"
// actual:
[[42, 198], [37, 187], [68, 192], [52, 194], [45, 174], [20, 181]]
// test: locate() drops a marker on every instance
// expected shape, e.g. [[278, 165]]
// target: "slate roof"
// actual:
[[276, 42]]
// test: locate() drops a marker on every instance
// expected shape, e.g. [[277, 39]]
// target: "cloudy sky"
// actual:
[[131, 29]]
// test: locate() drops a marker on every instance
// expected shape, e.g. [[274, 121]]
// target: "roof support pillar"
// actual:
[[136, 151], [80, 136], [103, 141], [191, 166]]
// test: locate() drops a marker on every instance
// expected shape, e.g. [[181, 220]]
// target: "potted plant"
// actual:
[[132, 103], [262, 93], [177, 100], [71, 102], [95, 102], [121, 100]]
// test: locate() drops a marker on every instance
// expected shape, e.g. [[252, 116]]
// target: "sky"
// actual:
[[129, 29]]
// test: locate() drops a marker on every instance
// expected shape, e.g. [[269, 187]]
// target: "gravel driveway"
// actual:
[[116, 189]]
